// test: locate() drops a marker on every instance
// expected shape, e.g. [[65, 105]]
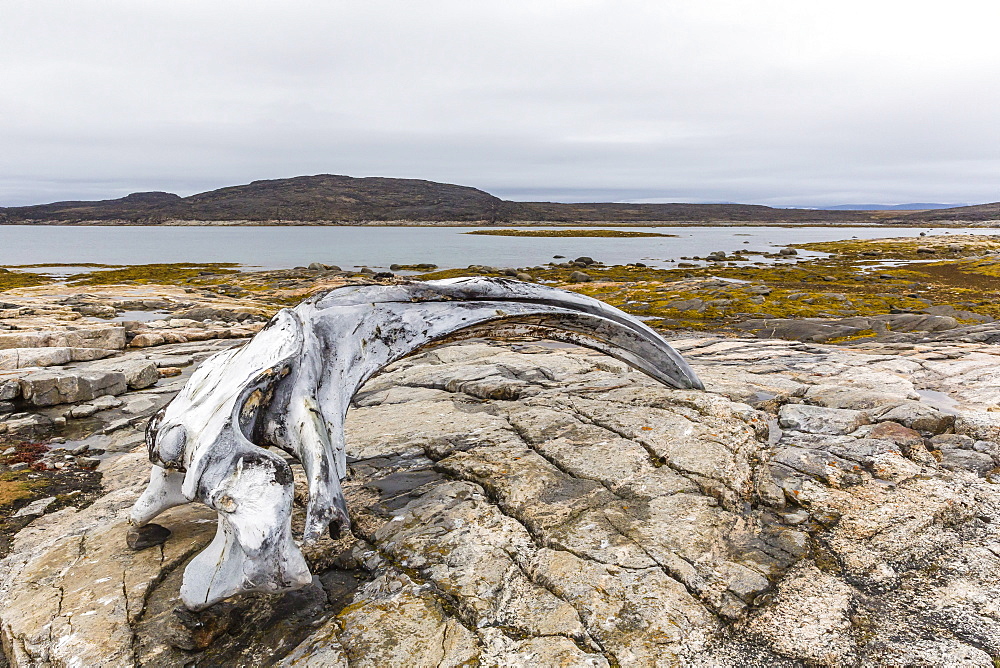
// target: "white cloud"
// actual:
[[775, 101]]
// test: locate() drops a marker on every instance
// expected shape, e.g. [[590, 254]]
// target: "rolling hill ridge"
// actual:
[[335, 199]]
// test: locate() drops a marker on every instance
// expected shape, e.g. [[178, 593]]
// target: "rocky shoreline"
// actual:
[[517, 503]]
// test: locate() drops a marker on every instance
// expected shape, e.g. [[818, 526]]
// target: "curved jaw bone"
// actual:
[[290, 387]]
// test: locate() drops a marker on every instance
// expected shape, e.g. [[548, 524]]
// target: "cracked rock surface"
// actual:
[[532, 505]]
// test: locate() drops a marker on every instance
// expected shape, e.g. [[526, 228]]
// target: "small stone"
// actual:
[[580, 277], [9, 451], [116, 425], [19, 466], [796, 517], [82, 411], [87, 463], [106, 402], [35, 507], [139, 538], [583, 259], [139, 405], [788, 251], [528, 278], [169, 371], [80, 449]]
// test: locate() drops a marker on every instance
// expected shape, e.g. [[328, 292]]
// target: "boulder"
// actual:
[[920, 417], [139, 373], [970, 460], [19, 358], [820, 420], [580, 277], [917, 322], [10, 388], [47, 388], [693, 304]]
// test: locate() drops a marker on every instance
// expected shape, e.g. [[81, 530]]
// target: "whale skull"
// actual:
[[290, 387]]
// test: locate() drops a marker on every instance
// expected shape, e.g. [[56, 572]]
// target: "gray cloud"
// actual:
[[778, 102]]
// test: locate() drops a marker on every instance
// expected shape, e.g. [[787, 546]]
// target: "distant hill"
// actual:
[[325, 197], [332, 199], [913, 206], [977, 212]]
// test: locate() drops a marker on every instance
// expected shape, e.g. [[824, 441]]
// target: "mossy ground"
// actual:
[[860, 277], [853, 281], [20, 279], [68, 486], [161, 274], [14, 487]]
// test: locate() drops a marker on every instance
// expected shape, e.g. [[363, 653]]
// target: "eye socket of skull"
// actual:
[[167, 446]]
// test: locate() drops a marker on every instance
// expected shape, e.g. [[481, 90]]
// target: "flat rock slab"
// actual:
[[21, 358], [47, 388], [105, 338], [596, 519]]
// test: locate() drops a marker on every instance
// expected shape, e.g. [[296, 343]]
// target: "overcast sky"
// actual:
[[805, 102]]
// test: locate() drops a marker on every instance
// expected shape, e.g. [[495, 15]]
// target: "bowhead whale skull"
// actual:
[[290, 387]]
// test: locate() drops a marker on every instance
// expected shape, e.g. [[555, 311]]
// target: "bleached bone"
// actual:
[[290, 387]]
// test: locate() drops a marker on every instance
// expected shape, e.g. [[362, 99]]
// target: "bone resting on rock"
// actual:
[[290, 388]]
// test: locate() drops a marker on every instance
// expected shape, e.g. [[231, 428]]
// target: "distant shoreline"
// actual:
[[937, 224]]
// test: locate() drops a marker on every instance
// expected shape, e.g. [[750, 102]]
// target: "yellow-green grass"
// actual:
[[161, 274]]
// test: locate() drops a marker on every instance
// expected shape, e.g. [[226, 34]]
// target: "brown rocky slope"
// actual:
[[333, 199]]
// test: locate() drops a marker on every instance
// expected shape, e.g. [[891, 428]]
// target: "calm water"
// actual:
[[347, 247]]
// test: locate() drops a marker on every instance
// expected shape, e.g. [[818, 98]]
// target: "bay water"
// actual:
[[378, 247]]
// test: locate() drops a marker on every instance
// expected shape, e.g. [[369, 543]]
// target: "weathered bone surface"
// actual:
[[290, 387]]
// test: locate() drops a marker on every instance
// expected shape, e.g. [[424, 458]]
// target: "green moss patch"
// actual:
[[20, 279], [851, 282], [14, 487], [162, 274]]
